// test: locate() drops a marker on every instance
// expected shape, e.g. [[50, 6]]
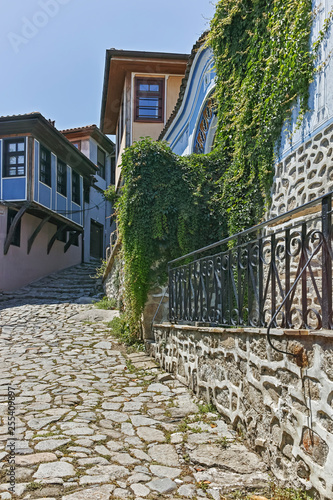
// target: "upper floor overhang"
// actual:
[[40, 128], [118, 63]]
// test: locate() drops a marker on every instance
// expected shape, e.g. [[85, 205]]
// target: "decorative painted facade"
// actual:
[[192, 125]]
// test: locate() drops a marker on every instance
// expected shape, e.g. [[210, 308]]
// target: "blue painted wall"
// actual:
[[14, 189], [200, 85], [50, 198], [321, 91], [36, 171]]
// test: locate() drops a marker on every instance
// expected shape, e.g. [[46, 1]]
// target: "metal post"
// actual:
[[326, 263]]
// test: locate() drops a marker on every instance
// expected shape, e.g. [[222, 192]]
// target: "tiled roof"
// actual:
[[183, 86], [92, 131], [33, 113]]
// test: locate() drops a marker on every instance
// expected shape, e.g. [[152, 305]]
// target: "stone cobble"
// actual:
[[94, 422]]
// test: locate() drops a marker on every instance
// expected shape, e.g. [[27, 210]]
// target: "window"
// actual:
[[149, 100], [101, 162], [45, 166], [14, 157], [17, 235], [113, 170], [76, 188], [77, 144], [62, 178]]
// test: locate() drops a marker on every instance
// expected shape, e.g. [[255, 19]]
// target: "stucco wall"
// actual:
[[173, 87], [153, 130], [17, 268], [141, 129], [282, 410]]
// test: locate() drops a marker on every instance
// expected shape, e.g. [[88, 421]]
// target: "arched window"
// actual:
[[206, 129]]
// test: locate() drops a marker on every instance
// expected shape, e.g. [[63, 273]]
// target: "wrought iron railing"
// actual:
[[278, 273]]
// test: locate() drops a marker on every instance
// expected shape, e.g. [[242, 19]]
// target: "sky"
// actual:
[[52, 52]]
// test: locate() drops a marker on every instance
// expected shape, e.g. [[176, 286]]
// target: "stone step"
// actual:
[[66, 286]]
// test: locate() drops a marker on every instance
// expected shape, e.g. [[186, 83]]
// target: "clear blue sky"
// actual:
[[52, 52]]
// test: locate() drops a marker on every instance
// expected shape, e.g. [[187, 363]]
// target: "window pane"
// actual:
[[20, 146], [149, 99], [12, 147], [20, 170], [20, 159], [12, 160]]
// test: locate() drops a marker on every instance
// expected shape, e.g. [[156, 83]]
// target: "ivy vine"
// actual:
[[162, 213], [171, 205], [264, 67]]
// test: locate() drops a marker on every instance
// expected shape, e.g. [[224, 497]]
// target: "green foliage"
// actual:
[[111, 195], [162, 214], [121, 330], [207, 408], [288, 494], [106, 303], [264, 66], [172, 205]]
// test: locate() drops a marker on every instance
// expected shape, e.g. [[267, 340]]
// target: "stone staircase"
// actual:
[[69, 285]]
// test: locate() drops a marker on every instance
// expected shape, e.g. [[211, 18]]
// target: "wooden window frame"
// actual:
[[76, 191], [101, 165], [45, 173], [62, 178], [140, 93], [8, 154]]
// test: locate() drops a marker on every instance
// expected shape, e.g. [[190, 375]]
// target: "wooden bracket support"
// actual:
[[55, 236], [13, 226], [37, 231]]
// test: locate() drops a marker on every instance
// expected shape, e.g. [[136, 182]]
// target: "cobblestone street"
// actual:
[[94, 422]]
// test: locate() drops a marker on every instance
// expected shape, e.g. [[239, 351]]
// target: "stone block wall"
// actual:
[[113, 281], [283, 410], [156, 309]]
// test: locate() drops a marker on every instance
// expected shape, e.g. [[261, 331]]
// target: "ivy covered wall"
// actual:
[[171, 205]]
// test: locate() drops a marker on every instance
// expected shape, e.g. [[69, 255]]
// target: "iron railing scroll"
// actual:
[[276, 274]]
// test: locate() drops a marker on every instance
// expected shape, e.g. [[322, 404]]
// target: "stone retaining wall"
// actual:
[[113, 280], [282, 406]]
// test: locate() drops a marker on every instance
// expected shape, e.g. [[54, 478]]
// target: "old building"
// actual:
[[140, 92], [47, 202], [98, 223]]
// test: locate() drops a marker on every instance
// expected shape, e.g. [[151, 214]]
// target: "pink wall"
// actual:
[[17, 268]]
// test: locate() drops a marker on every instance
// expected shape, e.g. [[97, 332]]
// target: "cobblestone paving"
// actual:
[[93, 422]]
